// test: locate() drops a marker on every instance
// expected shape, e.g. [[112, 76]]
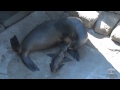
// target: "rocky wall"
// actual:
[[106, 23]]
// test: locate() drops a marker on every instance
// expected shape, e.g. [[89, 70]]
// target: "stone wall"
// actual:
[[103, 22], [106, 23]]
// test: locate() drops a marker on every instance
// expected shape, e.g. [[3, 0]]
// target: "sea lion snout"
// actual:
[[56, 67]]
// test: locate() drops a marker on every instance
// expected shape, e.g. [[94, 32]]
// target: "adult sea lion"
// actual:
[[46, 35]]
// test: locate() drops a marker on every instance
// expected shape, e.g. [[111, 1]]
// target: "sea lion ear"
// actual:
[[51, 55]]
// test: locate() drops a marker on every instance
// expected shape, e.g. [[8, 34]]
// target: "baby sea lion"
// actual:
[[59, 59], [50, 33]]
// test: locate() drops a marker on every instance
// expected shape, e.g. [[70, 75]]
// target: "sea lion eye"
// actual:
[[72, 35]]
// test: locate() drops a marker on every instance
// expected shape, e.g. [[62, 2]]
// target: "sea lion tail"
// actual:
[[29, 63], [15, 43]]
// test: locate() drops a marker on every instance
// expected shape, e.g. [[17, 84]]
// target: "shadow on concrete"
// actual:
[[96, 35]]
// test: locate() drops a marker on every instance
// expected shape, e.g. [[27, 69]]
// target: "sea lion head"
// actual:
[[80, 38], [57, 62], [56, 67], [78, 42]]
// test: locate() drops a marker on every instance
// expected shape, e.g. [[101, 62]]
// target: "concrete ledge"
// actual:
[[88, 17], [13, 19]]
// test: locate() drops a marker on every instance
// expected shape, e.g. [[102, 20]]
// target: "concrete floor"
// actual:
[[97, 61]]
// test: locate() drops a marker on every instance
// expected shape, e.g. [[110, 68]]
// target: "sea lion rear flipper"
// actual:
[[66, 59], [74, 54], [15, 43], [29, 63]]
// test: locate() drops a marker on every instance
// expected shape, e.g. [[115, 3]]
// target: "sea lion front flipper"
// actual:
[[51, 55], [66, 59], [15, 43], [74, 54], [29, 63]]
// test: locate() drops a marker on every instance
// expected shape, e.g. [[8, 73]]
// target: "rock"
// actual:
[[115, 35], [55, 14], [118, 12], [89, 17], [72, 13], [111, 11], [106, 22]]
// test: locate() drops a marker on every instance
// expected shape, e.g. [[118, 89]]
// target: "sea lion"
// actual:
[[59, 59], [50, 33], [81, 37]]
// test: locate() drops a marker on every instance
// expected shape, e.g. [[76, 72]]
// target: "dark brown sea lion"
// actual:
[[48, 34]]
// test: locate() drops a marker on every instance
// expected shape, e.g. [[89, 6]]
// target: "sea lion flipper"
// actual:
[[15, 43], [66, 59], [74, 54], [29, 63]]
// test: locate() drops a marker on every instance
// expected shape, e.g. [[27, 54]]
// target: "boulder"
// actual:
[[106, 22], [115, 35], [118, 12], [112, 11], [89, 17]]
